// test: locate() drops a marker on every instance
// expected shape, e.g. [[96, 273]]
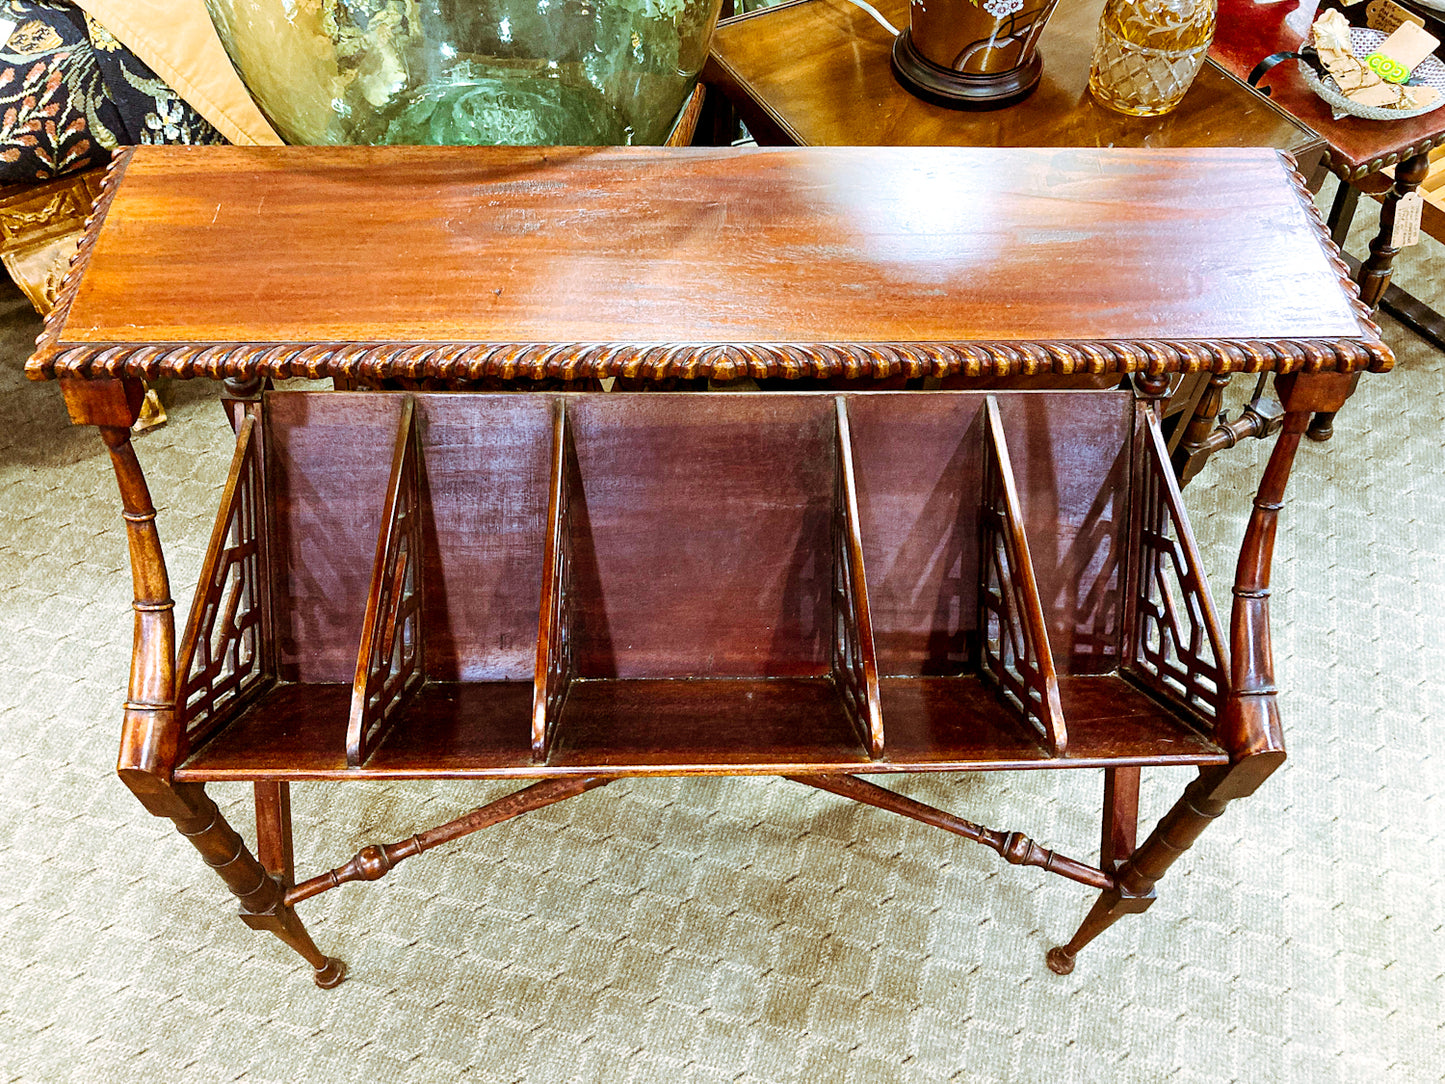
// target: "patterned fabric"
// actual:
[[70, 94]]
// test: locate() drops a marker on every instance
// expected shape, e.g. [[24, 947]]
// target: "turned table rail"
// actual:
[[592, 625]]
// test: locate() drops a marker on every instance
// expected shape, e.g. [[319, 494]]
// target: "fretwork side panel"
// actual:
[[1013, 640], [220, 658], [556, 662], [855, 665], [1177, 649], [390, 662]]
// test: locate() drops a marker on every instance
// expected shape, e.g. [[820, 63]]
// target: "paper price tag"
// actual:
[[1387, 16], [7, 27], [1407, 220], [1402, 51]]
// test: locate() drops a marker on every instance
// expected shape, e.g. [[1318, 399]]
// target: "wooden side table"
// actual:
[[1359, 152], [568, 588], [816, 73]]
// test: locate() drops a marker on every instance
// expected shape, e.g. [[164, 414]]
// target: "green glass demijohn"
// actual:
[[519, 72]]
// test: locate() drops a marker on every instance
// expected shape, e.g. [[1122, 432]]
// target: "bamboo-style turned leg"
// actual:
[[262, 899], [1134, 889], [1249, 729], [149, 740]]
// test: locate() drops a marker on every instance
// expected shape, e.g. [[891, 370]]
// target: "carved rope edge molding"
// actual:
[[572, 361], [1336, 259], [55, 319]]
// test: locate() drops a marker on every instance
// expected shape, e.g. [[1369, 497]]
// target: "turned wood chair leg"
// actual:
[[262, 896], [1376, 271]]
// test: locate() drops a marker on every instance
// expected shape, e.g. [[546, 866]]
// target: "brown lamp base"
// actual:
[[962, 90]]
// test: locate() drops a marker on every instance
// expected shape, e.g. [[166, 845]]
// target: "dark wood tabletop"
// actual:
[[1248, 32], [816, 72], [696, 261]]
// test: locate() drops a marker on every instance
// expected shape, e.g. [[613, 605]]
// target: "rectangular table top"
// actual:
[[483, 262], [816, 73]]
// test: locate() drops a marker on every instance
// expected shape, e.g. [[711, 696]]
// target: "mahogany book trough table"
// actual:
[[479, 564]]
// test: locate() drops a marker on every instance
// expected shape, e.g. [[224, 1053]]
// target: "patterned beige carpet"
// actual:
[[743, 930]]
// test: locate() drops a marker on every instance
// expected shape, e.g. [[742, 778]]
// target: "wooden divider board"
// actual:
[[674, 603]]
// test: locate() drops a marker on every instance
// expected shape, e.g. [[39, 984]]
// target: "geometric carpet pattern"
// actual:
[[742, 929]]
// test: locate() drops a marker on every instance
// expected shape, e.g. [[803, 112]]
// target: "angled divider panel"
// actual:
[[1013, 638], [220, 663], [854, 661], [556, 661], [1177, 650], [389, 665]]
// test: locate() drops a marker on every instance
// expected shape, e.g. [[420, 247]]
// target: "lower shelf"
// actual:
[[693, 726]]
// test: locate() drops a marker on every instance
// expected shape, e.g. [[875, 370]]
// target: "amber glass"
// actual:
[[1149, 52], [583, 72]]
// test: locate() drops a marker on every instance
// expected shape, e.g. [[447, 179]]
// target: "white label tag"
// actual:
[[7, 27], [1407, 220], [1387, 17]]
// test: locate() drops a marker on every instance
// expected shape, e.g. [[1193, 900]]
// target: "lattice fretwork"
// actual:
[[855, 667], [1177, 650], [1014, 644], [220, 657], [389, 665], [556, 664]]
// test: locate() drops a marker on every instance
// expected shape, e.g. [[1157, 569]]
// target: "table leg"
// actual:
[[1342, 211], [273, 831], [1190, 453], [1121, 817], [149, 739], [1375, 272], [1250, 727]]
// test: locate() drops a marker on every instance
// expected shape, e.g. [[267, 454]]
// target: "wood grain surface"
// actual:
[[696, 726], [816, 72], [645, 245]]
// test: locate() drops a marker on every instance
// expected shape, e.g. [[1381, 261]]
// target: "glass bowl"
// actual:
[[519, 72]]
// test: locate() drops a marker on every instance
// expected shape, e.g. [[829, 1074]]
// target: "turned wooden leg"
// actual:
[[1203, 800], [1249, 730], [262, 899], [150, 735], [1375, 272], [1191, 452], [1322, 426]]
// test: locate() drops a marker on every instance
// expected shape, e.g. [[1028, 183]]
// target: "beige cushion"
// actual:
[[176, 39]]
